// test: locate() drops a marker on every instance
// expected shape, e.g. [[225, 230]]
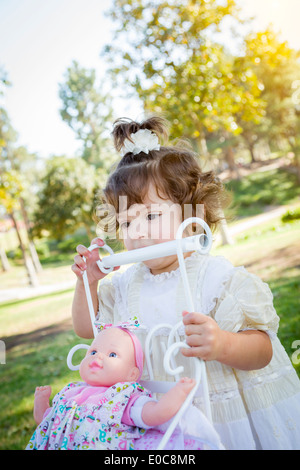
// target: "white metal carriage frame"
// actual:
[[200, 243]]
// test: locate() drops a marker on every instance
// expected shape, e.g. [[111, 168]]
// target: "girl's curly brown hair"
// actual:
[[173, 170]]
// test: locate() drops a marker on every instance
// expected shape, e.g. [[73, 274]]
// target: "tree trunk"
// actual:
[[225, 235], [32, 249], [33, 280], [251, 150], [4, 260], [229, 157]]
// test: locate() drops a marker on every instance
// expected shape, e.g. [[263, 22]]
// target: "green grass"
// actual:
[[254, 192], [38, 335], [30, 314], [286, 301]]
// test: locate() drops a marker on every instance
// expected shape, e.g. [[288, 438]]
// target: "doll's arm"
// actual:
[[155, 413]]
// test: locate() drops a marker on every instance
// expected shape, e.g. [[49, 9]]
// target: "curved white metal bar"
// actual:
[[179, 250], [72, 352], [189, 297], [198, 372]]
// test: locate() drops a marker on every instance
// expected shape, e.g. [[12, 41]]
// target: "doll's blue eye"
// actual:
[[93, 352], [112, 354]]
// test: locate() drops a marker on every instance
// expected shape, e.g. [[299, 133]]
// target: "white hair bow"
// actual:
[[143, 140]]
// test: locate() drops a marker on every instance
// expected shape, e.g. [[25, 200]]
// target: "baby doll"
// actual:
[[109, 409]]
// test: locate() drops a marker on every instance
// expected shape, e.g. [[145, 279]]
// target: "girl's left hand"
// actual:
[[203, 335]]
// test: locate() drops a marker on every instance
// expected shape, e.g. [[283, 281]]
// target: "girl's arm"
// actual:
[[245, 350], [80, 311]]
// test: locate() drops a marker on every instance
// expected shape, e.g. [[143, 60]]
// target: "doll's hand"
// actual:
[[90, 265], [203, 335]]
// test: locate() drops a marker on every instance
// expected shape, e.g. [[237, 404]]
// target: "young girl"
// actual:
[[110, 410], [254, 389]]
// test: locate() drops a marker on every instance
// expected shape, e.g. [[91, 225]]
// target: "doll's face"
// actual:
[[110, 359]]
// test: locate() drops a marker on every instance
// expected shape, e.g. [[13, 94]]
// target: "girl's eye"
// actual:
[[112, 354], [124, 225], [152, 216], [93, 352]]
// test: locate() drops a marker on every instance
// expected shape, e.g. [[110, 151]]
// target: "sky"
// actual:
[[39, 39]]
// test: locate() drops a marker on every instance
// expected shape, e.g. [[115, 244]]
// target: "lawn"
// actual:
[[260, 190]]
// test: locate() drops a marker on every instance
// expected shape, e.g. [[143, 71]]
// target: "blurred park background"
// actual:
[[226, 82]]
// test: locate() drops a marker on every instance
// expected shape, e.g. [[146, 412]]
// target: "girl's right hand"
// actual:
[[90, 265]]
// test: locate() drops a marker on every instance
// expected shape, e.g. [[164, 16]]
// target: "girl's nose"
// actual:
[[138, 229]]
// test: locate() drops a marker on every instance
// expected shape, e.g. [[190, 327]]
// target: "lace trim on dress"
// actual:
[[166, 275]]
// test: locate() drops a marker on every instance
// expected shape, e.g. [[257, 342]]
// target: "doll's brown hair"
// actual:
[[173, 170]]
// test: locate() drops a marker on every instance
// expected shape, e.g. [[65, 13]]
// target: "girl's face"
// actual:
[[110, 359], [156, 221]]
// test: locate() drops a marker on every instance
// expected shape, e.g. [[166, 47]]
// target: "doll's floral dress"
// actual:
[[88, 418]]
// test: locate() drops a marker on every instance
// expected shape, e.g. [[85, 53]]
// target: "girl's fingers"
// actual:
[[193, 330], [97, 241], [192, 352], [77, 270], [83, 251], [194, 340], [78, 260], [194, 318]]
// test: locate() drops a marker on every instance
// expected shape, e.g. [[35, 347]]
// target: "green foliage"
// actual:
[[66, 198], [179, 72], [11, 189], [168, 55], [88, 112], [277, 67], [291, 215]]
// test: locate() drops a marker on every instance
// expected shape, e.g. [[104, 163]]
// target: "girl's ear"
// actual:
[[134, 374]]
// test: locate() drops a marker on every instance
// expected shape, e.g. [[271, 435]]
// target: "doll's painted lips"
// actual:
[[95, 365]]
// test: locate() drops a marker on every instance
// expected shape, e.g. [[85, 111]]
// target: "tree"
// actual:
[[11, 188], [171, 59], [66, 198], [164, 53], [27, 165], [277, 67], [87, 111]]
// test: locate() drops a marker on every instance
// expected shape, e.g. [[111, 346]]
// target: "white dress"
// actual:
[[257, 409]]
